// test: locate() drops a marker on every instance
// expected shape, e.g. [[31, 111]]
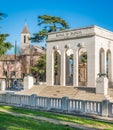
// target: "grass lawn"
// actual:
[[75, 119], [9, 122]]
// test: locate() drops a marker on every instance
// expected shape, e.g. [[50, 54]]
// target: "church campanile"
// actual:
[[25, 41]]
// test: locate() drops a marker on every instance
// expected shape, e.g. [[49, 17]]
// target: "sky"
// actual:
[[77, 13]]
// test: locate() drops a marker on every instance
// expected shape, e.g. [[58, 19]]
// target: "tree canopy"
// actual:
[[2, 15], [4, 46], [49, 24], [39, 69]]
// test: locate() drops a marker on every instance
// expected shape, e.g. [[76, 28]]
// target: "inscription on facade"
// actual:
[[68, 34]]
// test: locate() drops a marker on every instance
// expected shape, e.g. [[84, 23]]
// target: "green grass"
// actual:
[[75, 119], [9, 122]]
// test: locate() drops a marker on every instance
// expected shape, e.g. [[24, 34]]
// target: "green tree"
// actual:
[[4, 47], [39, 69], [84, 57], [49, 24], [2, 15]]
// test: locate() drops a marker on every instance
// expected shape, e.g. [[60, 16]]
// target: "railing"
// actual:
[[41, 102], [55, 103], [64, 104], [75, 105], [93, 107]]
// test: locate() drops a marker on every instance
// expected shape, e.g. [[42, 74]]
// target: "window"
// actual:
[[24, 39]]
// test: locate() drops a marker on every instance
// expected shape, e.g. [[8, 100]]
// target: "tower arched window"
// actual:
[[24, 39]]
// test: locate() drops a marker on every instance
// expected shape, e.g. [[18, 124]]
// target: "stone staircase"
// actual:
[[36, 89], [110, 91], [57, 91], [110, 94], [86, 93], [108, 97], [81, 93]]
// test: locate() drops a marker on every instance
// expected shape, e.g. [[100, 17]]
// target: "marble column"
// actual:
[[105, 62], [63, 68], [111, 72], [67, 70], [75, 68], [50, 68]]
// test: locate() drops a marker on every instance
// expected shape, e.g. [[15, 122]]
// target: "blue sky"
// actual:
[[78, 13]]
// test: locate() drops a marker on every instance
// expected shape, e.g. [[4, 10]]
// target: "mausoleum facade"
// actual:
[[76, 57]]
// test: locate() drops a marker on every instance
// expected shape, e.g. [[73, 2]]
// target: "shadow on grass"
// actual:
[[79, 120], [9, 122]]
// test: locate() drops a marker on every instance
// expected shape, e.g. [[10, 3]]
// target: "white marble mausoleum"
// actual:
[[76, 57]]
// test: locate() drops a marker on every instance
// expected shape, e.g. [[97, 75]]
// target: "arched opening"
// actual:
[[24, 38], [82, 67], [102, 61], [108, 64], [57, 66], [69, 67]]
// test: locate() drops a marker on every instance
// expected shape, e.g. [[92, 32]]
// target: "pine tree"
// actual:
[[49, 24]]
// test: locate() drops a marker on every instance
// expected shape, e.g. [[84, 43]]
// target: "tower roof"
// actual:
[[25, 29]]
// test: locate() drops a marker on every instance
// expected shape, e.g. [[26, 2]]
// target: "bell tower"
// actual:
[[25, 41], [25, 50]]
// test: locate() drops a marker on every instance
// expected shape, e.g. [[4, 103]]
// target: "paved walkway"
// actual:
[[73, 125]]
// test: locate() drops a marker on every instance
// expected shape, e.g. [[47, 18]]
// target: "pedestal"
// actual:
[[3, 85], [28, 82], [102, 85]]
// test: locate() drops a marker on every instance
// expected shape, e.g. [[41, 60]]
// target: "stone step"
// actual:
[[82, 93], [108, 97]]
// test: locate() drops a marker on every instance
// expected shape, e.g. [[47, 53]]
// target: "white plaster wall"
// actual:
[[73, 44], [106, 44]]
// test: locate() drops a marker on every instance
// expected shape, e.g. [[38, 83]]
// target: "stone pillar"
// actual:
[[102, 62], [67, 70], [48, 107], [111, 73], [104, 108], [102, 85], [63, 70], [84, 106], [3, 85], [8, 97], [64, 104], [50, 67], [105, 63], [92, 64], [59, 68], [109, 67], [33, 100], [110, 110], [28, 82], [75, 68]]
